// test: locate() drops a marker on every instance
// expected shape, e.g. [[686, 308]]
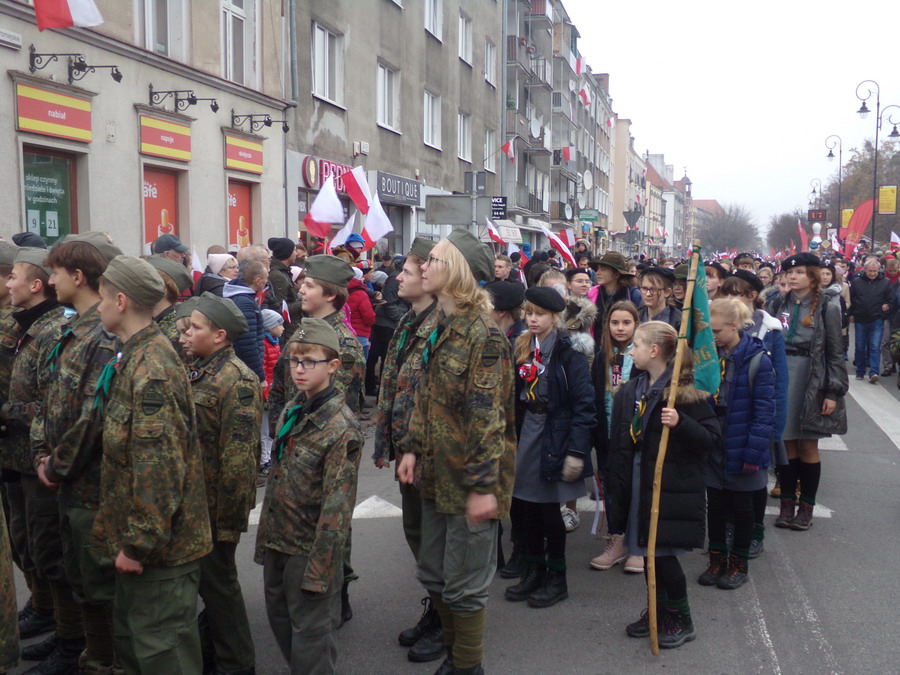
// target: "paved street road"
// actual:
[[819, 602]]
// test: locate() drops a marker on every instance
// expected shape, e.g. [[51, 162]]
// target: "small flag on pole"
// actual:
[[341, 237], [377, 224], [493, 233], [509, 149], [325, 210], [66, 14], [358, 188]]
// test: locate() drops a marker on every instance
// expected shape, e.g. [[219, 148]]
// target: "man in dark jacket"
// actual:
[[242, 291], [870, 302], [284, 253], [387, 315]]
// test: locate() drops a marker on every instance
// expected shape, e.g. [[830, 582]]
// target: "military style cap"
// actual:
[[328, 268], [422, 247], [223, 313], [99, 241], [796, 260], [7, 253], [137, 279], [178, 273], [186, 308], [477, 254], [615, 260], [682, 270], [316, 332], [750, 278], [507, 295], [169, 242], [546, 297], [720, 269], [33, 256]]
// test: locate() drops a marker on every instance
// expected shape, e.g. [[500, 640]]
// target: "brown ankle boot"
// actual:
[[804, 518], [786, 516]]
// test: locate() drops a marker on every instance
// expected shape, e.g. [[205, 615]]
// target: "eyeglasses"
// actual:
[[649, 291], [306, 364], [431, 260], [230, 267]]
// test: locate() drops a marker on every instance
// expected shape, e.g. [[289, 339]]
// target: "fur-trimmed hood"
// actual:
[[582, 343], [580, 314], [687, 392]]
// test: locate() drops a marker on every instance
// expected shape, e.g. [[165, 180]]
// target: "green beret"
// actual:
[[185, 309], [33, 256], [477, 254], [682, 271], [329, 268], [99, 241], [178, 273], [137, 279], [316, 332], [223, 313], [422, 247], [7, 253]]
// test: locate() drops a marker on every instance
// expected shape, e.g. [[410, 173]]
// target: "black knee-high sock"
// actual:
[[787, 476], [809, 475], [760, 497]]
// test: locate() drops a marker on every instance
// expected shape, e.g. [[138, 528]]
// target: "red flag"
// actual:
[[585, 96], [66, 14], [793, 247], [509, 149], [358, 188], [804, 237], [862, 214], [568, 153], [493, 233], [285, 312]]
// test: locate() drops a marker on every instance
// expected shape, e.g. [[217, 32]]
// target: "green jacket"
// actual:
[[153, 500], [70, 429], [9, 340], [228, 405], [463, 427], [312, 488], [168, 327]]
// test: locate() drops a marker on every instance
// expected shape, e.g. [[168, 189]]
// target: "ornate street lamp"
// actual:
[[831, 142]]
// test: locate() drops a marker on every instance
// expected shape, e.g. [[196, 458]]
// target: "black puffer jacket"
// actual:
[[867, 296], [682, 505]]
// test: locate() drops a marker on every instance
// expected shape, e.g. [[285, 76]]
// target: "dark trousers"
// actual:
[[411, 502], [724, 506], [42, 524], [544, 530], [670, 581], [381, 337]]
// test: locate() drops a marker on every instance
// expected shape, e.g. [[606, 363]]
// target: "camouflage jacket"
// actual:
[[463, 426], [9, 612], [166, 322], [9, 340], [312, 489], [70, 429], [400, 379], [228, 405], [153, 499], [27, 388], [348, 379]]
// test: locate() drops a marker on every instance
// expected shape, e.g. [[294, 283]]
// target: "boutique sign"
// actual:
[[396, 189]]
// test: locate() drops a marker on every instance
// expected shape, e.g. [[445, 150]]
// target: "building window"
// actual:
[[328, 64], [49, 193], [490, 62], [239, 41], [490, 150], [465, 38], [160, 26], [388, 96], [434, 17], [432, 117], [464, 137]]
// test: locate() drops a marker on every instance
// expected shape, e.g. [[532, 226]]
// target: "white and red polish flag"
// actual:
[[579, 65], [568, 153], [585, 96], [285, 312], [895, 241], [377, 224], [559, 245], [358, 188], [343, 233], [611, 122], [66, 14], [493, 233], [509, 149], [325, 210], [569, 237]]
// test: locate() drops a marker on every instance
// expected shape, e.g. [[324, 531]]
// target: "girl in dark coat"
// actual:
[[656, 289], [639, 413], [736, 470], [555, 419]]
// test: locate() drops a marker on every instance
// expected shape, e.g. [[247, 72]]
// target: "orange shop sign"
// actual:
[[243, 154], [239, 196], [160, 204], [165, 139], [48, 112]]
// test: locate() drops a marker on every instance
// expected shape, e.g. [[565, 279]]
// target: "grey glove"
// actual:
[[572, 468]]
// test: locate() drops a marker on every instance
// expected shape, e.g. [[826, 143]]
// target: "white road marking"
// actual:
[[819, 511], [833, 443], [376, 507], [880, 406], [761, 630]]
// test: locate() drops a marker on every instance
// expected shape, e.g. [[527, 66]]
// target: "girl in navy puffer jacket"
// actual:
[[745, 406]]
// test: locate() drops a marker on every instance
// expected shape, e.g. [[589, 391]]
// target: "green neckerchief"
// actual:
[[101, 392], [53, 356], [795, 315], [430, 343], [290, 419]]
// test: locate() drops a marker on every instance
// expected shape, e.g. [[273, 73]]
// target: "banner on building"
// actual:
[[48, 112], [243, 154], [887, 200], [162, 138]]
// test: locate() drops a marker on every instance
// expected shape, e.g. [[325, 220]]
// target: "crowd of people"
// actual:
[[144, 405]]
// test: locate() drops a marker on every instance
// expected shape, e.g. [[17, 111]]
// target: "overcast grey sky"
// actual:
[[744, 95]]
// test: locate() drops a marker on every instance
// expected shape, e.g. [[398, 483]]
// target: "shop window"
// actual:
[[160, 204], [240, 224], [49, 180]]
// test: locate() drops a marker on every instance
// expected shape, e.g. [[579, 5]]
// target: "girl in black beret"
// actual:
[[656, 289]]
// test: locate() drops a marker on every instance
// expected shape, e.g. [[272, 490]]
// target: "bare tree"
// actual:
[[733, 227]]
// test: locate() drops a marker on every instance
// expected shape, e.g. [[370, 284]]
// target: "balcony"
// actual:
[[536, 203], [517, 52], [521, 199], [541, 73], [541, 143], [541, 11]]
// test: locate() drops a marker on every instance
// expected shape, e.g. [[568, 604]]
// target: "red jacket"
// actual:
[[271, 354], [362, 315]]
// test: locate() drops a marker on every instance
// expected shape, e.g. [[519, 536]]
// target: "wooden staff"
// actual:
[[663, 447]]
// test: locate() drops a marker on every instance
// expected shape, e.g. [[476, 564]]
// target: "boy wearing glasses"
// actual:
[[226, 396], [309, 503]]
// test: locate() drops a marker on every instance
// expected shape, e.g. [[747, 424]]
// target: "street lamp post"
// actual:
[[816, 193], [863, 113], [830, 144]]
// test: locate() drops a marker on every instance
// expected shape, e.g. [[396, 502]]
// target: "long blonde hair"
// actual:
[[461, 285], [523, 342]]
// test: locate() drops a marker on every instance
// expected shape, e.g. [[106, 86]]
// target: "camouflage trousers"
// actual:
[[9, 621]]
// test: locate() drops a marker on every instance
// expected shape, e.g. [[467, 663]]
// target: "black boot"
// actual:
[[346, 610], [677, 628], [718, 564], [430, 645], [26, 610], [36, 623], [531, 581], [429, 617], [736, 576], [553, 590], [472, 670], [446, 667], [63, 660], [40, 650], [515, 568]]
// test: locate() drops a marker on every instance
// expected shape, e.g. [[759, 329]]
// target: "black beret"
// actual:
[[750, 278], [743, 256], [546, 297], [800, 260], [507, 295], [716, 266], [576, 270], [663, 272]]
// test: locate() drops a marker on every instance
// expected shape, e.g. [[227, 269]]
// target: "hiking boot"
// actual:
[[786, 515], [429, 647], [613, 554], [717, 567], [570, 519], [756, 548], [427, 621], [446, 667], [26, 611], [804, 518], [36, 623], [553, 590], [515, 567], [641, 627], [736, 576], [473, 670], [677, 628], [531, 581], [40, 650], [634, 564], [62, 661]]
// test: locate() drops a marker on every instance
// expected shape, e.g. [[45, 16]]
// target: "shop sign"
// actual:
[[243, 154], [48, 195], [160, 204], [397, 190], [315, 172], [498, 207], [47, 112], [165, 139], [239, 225], [590, 215], [10, 39]]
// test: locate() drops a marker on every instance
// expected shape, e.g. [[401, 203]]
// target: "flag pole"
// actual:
[[663, 447]]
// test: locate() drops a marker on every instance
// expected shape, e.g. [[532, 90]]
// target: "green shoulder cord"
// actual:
[[290, 419], [53, 356], [101, 392], [401, 343]]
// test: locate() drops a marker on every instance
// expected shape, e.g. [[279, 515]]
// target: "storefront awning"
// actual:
[[509, 231]]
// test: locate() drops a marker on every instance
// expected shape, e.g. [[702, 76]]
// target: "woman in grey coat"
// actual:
[[817, 384]]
